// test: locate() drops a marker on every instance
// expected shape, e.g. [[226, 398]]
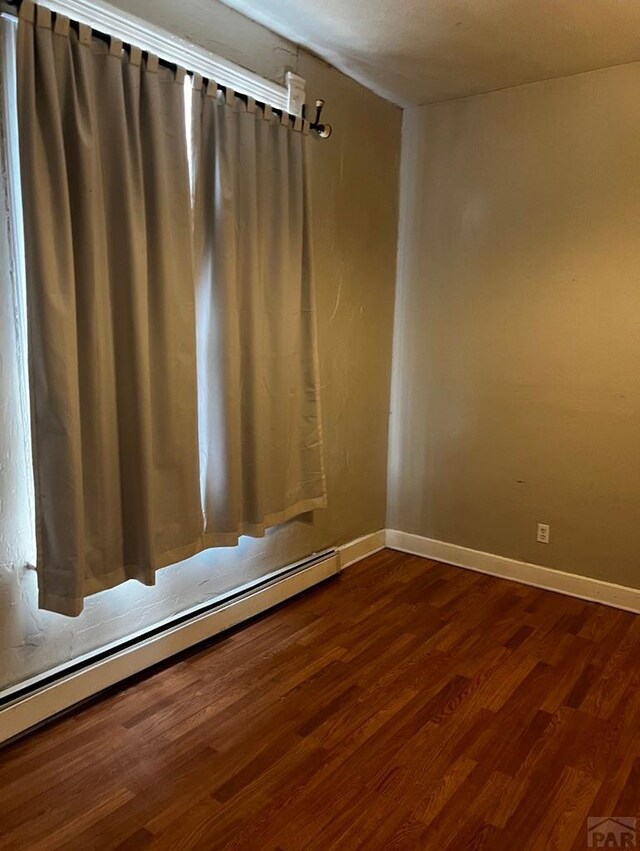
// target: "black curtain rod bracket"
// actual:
[[322, 130]]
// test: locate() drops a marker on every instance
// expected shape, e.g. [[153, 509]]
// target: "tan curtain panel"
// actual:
[[110, 298], [259, 413]]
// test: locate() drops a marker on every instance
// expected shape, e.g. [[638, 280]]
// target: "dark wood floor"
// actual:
[[408, 704]]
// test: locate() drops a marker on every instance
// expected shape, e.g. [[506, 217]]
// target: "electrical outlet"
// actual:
[[543, 533]]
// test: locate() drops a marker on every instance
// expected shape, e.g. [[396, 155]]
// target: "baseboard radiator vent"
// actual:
[[31, 703]]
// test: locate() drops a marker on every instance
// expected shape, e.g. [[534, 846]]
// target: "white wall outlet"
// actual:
[[543, 533]]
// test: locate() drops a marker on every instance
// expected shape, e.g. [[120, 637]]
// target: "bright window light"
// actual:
[[17, 506]]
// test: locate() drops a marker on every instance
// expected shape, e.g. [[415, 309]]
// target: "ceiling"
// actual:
[[421, 51]]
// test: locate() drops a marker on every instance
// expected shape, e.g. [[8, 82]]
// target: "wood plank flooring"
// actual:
[[406, 705]]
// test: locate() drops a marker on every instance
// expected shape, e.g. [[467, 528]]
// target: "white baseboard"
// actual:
[[361, 548], [23, 713], [594, 590]]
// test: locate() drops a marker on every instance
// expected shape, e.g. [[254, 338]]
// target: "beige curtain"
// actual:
[[260, 434], [110, 310]]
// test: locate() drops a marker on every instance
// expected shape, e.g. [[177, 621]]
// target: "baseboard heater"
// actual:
[[41, 698]]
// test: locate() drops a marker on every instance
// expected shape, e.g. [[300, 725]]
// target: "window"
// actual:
[[153, 442], [17, 523]]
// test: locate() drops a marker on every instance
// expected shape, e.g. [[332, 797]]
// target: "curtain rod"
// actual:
[[323, 131]]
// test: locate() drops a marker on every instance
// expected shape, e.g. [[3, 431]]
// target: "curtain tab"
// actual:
[[27, 11], [284, 118], [135, 56], [251, 105], [212, 89], [115, 47], [229, 96], [152, 63], [62, 26], [84, 34], [196, 82], [268, 112], [43, 17], [297, 124], [180, 75]]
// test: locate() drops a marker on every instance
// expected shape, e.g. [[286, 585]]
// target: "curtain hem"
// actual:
[[73, 606], [258, 530]]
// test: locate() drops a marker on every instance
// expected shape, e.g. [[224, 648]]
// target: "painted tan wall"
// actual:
[[220, 30], [516, 389], [354, 191]]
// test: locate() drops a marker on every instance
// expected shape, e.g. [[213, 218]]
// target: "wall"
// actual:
[[220, 30], [354, 203], [516, 386]]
